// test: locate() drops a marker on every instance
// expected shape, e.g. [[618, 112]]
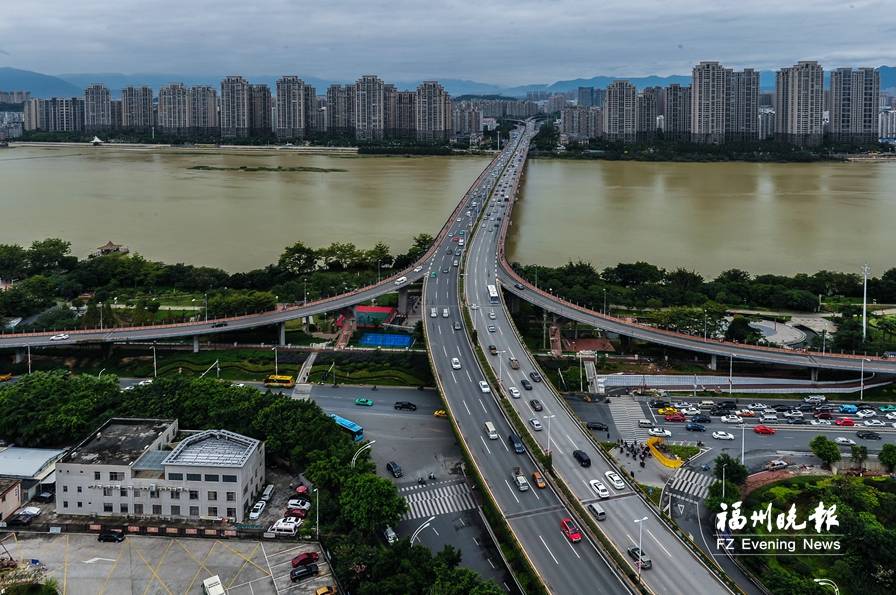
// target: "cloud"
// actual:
[[501, 41]]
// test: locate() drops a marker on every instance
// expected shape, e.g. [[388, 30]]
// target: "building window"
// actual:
[[123, 493], [79, 489], [211, 477], [80, 504], [107, 491], [212, 496], [138, 508], [175, 510], [107, 507], [65, 504], [153, 493], [116, 476], [212, 511], [228, 478], [194, 511], [64, 488], [124, 509], [175, 476], [96, 475], [175, 495], [194, 477], [157, 509], [231, 512], [194, 494], [231, 497]]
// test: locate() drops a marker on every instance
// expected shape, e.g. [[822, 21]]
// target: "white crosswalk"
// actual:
[[626, 412], [439, 500], [691, 483]]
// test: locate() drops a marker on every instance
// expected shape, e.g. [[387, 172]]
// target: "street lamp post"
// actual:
[[155, 369], [640, 551], [730, 374], [605, 301], [549, 418], [28, 347], [360, 450], [500, 366], [305, 288], [423, 526], [704, 325], [743, 441], [276, 363], [317, 514], [723, 481], [101, 315], [862, 386]]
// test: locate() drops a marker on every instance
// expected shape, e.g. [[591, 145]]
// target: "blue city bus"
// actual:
[[492, 294], [356, 431]]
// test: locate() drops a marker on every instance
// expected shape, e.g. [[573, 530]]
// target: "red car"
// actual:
[[302, 490], [570, 530], [296, 512], [823, 415], [674, 417], [760, 429], [844, 421], [305, 558]]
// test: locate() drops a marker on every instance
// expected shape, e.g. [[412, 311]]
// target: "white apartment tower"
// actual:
[[291, 108], [709, 92], [97, 107], [799, 103], [433, 113], [855, 97], [203, 108], [136, 108], [174, 108], [369, 108], [619, 111], [234, 117]]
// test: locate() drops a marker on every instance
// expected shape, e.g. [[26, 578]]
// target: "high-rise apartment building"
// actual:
[[234, 116], [433, 121], [309, 99], [136, 108], [709, 92], [887, 124], [174, 109], [742, 109], [677, 116], [619, 112], [368, 112], [399, 113], [97, 107], [261, 110], [466, 121], [555, 103], [799, 103], [14, 96], [766, 123], [203, 109], [585, 96], [59, 114], [291, 108], [646, 112], [855, 105], [341, 109]]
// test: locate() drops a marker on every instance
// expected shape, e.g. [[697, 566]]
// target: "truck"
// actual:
[[522, 484], [514, 363]]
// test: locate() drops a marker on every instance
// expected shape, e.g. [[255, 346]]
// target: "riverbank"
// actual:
[[197, 148]]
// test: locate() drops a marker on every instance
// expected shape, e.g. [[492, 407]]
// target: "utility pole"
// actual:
[[865, 271]]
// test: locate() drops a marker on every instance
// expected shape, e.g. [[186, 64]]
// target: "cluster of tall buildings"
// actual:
[[369, 110], [724, 105]]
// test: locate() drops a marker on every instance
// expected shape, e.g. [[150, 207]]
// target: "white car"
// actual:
[[690, 411], [299, 503], [615, 480], [59, 337], [418, 269], [792, 414], [536, 425], [820, 422], [146, 382], [483, 386], [514, 392], [844, 440], [659, 432], [875, 423], [732, 419], [599, 488], [863, 413], [491, 315], [756, 406], [474, 306], [455, 363], [891, 416], [719, 435], [257, 510], [491, 328]]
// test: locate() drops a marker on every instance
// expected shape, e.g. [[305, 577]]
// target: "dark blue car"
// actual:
[[693, 427]]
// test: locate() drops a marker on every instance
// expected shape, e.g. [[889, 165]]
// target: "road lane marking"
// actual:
[[573, 549], [483, 406], [570, 440], [486, 446], [512, 492], [549, 550], [445, 351], [468, 409], [658, 543], [468, 375], [504, 444]]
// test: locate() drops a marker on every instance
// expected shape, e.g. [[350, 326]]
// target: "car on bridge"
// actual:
[[526, 384], [538, 480], [570, 530], [844, 421], [692, 427], [668, 411], [640, 558], [59, 337], [597, 425], [599, 488], [868, 435], [719, 435], [659, 432], [844, 441], [614, 480], [763, 430], [484, 387], [676, 417], [886, 408], [406, 405], [363, 402], [455, 363], [732, 419]]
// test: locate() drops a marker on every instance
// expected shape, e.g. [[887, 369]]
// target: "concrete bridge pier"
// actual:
[[281, 328], [713, 362], [21, 356], [195, 343], [514, 304], [813, 374], [403, 301]]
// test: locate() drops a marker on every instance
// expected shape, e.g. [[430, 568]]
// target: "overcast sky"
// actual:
[[497, 41]]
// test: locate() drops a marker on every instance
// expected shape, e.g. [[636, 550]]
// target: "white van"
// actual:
[[445, 313], [401, 280], [645, 423], [284, 527], [268, 491], [707, 404], [433, 313], [490, 431], [598, 511], [212, 586], [768, 417]]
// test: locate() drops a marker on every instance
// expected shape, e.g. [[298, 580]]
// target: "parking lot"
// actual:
[[150, 565]]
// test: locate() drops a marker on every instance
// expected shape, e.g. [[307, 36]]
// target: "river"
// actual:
[[775, 218]]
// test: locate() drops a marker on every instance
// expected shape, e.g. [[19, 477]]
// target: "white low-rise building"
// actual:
[[147, 468]]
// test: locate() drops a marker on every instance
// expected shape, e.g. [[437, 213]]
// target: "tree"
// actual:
[[298, 259], [633, 274], [369, 502], [714, 500], [825, 449], [47, 255], [859, 455], [13, 261], [887, 457], [739, 329], [735, 472]]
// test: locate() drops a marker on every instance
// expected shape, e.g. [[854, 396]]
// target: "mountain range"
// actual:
[[73, 84]]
